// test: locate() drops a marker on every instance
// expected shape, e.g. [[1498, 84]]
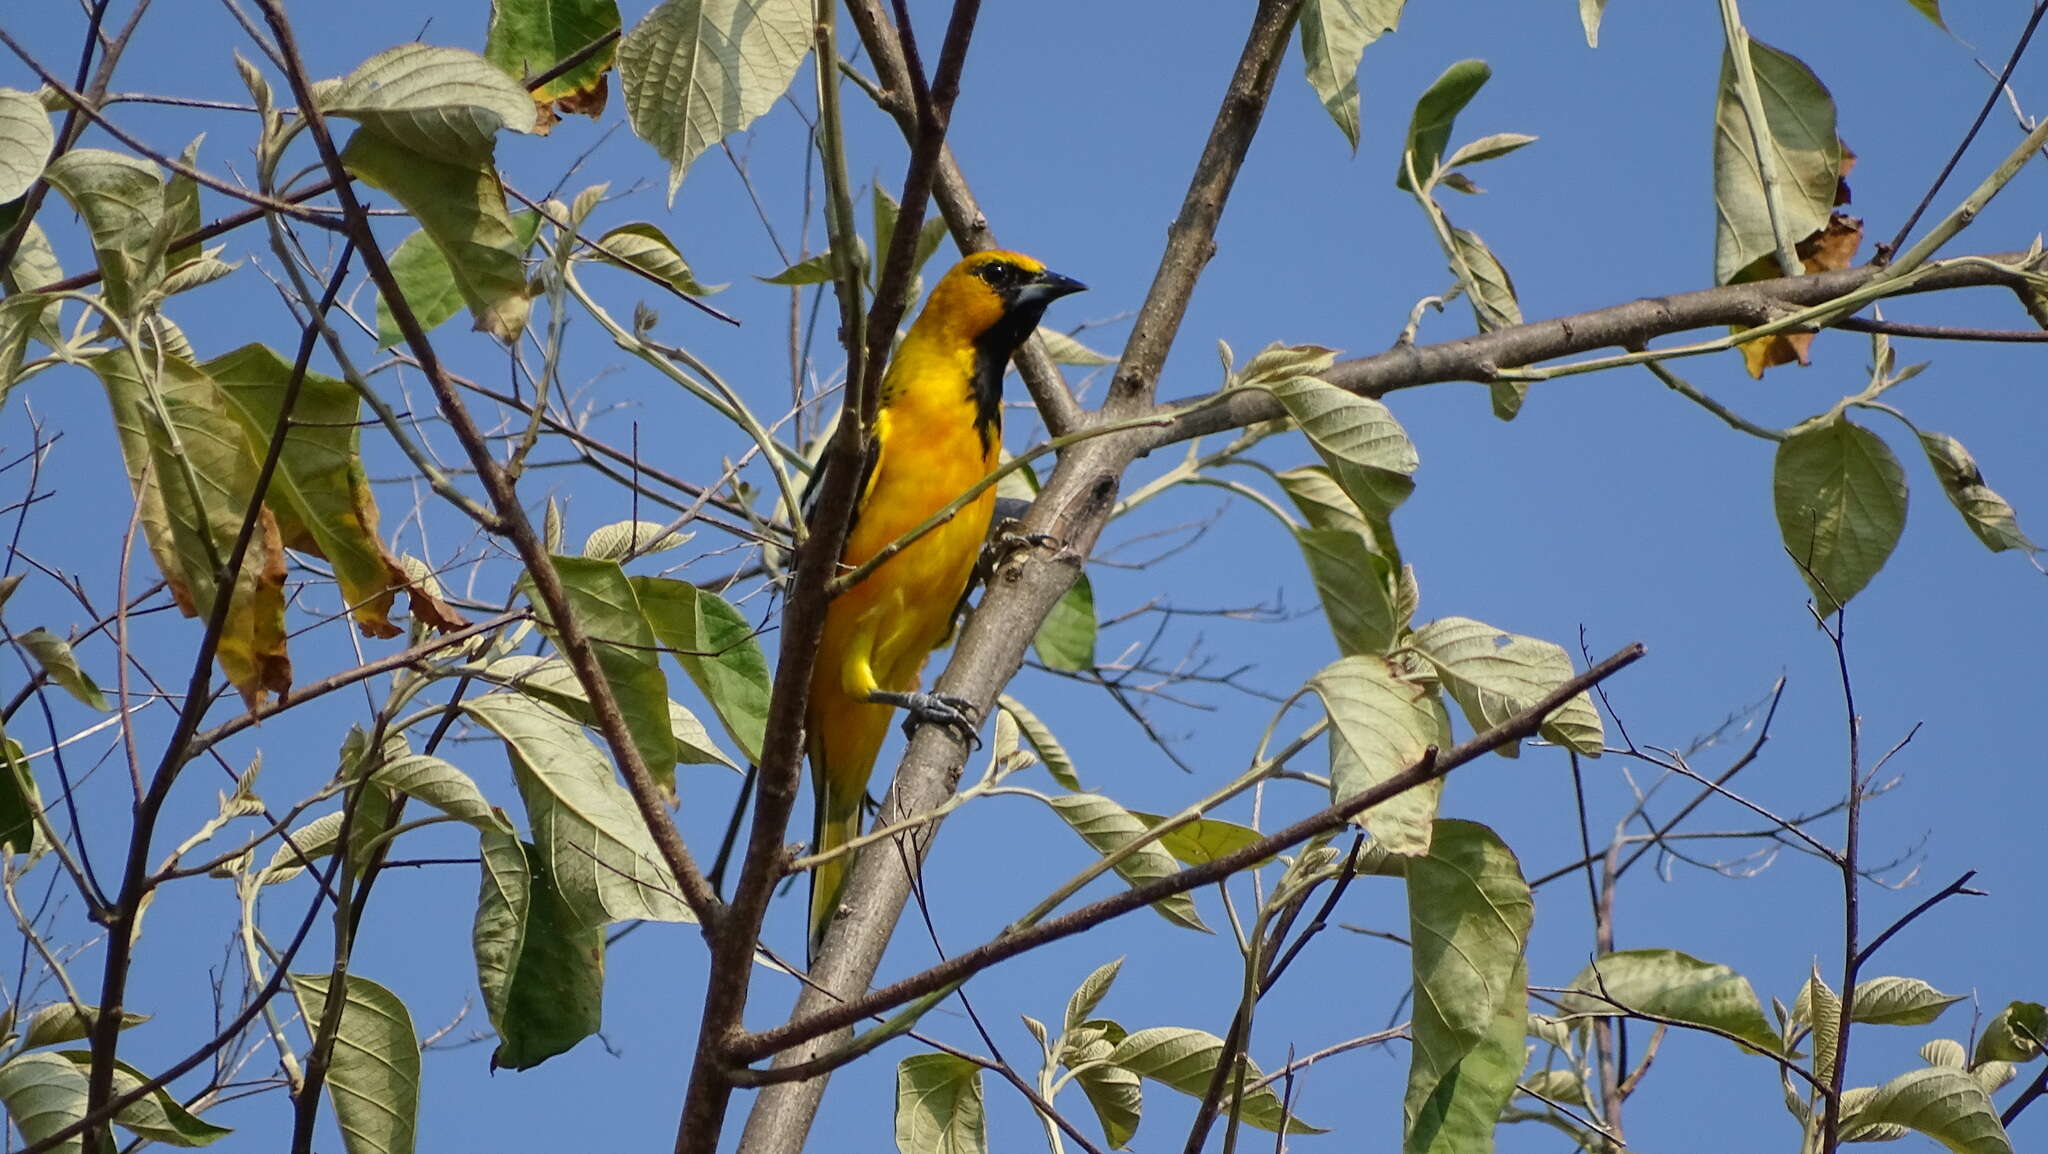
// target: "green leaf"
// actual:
[[1989, 515], [43, 1094], [1352, 582], [373, 1076], [2015, 1034], [819, 269], [1841, 504], [1590, 12], [1367, 451], [320, 494], [302, 846], [528, 37], [182, 218], [1089, 994], [1899, 1002], [1065, 350], [717, 648], [461, 207], [1487, 286], [1039, 736], [1185, 1059], [1066, 639], [156, 1115], [1108, 827], [1334, 36], [938, 1106], [615, 541], [694, 71], [549, 679], [1930, 9], [1820, 1007], [442, 786], [1324, 504], [1115, 1094], [645, 247], [1946, 1105], [591, 838], [121, 200], [64, 1022], [26, 139], [1429, 129], [1488, 148], [1202, 840], [440, 105], [19, 803], [54, 654], [1800, 116], [176, 432], [603, 602], [1380, 725], [1493, 675], [1469, 913], [1673, 985], [428, 283], [540, 967]]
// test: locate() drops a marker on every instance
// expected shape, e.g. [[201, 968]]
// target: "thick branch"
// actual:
[[1628, 326], [1070, 512]]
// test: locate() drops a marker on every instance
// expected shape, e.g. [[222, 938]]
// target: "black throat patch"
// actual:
[[992, 353]]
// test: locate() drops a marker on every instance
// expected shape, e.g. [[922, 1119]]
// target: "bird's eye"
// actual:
[[1000, 274]]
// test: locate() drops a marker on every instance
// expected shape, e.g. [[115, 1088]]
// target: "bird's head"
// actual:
[[994, 299]]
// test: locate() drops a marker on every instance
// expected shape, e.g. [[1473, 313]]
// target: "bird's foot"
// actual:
[[956, 713]]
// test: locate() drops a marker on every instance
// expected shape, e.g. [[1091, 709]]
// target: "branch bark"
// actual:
[[1070, 512]]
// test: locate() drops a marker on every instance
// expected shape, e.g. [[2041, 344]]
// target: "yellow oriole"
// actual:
[[938, 431]]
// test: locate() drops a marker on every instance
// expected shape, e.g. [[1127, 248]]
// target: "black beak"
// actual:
[[1046, 287]]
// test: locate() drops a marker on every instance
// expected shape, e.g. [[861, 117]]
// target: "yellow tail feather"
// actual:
[[838, 822]]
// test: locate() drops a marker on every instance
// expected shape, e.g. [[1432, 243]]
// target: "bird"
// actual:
[[938, 431]]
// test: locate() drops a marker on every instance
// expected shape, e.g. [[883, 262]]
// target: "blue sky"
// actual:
[[1610, 506]]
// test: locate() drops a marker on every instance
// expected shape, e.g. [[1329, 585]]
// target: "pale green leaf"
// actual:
[[1202, 840], [550, 679], [1039, 736], [1089, 994], [1353, 583], [461, 207], [26, 139], [1324, 504], [1988, 515], [1899, 1002], [938, 1106], [441, 785], [1930, 9], [1946, 1105], [54, 654], [1841, 505], [591, 837], [614, 542], [2014, 1034], [1673, 985], [1488, 148], [645, 247], [373, 1074], [1381, 724], [1334, 36], [694, 71], [121, 200], [1366, 449], [1494, 675], [1800, 119], [441, 103], [1590, 12], [64, 1022], [604, 604], [1065, 350], [1108, 827], [43, 1094], [156, 1115], [1185, 1059]]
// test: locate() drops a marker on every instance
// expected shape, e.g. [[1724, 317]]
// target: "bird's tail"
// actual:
[[838, 822]]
